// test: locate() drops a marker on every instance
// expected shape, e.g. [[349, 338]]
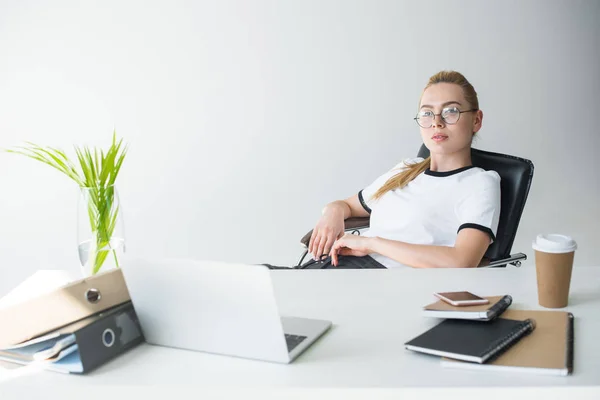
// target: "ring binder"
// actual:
[[83, 345], [62, 306]]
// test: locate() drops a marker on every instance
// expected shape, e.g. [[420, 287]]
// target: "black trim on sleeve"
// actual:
[[479, 227], [363, 203], [447, 173]]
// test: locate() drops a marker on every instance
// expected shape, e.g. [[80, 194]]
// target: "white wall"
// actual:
[[244, 118]]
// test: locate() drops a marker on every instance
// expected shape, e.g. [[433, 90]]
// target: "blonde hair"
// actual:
[[411, 171]]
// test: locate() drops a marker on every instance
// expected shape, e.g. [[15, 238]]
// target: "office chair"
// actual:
[[516, 175]]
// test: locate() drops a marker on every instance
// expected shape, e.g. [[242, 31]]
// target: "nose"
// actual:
[[437, 121]]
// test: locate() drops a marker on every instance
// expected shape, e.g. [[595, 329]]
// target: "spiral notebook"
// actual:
[[485, 312], [547, 351], [473, 341]]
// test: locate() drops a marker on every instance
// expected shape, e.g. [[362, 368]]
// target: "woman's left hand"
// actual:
[[349, 245]]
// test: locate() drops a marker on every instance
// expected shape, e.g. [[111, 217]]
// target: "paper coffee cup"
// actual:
[[554, 256]]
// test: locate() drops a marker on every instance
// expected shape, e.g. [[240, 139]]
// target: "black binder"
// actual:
[[474, 341], [83, 345]]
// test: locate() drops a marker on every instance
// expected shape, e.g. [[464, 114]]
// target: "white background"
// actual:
[[244, 118]]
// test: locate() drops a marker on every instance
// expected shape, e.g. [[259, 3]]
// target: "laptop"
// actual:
[[216, 307]]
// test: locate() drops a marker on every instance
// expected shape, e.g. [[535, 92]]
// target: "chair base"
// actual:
[[513, 259]]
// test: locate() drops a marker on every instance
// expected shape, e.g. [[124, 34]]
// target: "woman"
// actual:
[[425, 213]]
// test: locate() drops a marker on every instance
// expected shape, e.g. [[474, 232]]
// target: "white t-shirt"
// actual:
[[433, 207]]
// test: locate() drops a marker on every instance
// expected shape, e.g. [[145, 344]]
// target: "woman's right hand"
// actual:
[[328, 229]]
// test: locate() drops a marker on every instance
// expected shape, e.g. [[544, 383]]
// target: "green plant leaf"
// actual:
[[98, 172], [99, 261]]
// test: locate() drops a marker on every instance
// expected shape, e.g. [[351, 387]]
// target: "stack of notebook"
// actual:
[[491, 337]]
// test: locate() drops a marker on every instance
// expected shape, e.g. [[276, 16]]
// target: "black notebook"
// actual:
[[548, 350], [474, 341]]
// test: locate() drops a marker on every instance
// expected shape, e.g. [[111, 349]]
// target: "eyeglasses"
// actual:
[[449, 115]]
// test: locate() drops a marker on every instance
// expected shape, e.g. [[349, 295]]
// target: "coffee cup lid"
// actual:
[[554, 243]]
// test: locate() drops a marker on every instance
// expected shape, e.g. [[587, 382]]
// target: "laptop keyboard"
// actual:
[[292, 341]]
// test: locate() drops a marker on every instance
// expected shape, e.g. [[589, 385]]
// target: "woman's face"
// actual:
[[442, 137]]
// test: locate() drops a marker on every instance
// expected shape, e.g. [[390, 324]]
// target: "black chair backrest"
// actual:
[[516, 175]]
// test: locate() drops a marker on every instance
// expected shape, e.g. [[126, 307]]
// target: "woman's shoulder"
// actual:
[[481, 177]]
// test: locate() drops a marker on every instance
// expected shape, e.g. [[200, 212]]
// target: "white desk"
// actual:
[[374, 312]]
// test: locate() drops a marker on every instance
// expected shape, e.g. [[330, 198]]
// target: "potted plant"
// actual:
[[100, 231]]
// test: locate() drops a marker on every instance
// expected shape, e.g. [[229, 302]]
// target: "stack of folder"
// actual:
[[491, 337], [74, 328]]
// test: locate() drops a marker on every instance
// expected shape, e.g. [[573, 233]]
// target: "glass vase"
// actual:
[[100, 232]]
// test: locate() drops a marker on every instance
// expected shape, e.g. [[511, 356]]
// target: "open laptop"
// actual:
[[216, 307]]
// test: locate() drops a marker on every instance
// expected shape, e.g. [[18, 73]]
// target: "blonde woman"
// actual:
[[438, 212]]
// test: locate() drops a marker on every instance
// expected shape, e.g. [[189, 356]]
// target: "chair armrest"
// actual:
[[349, 224], [514, 259]]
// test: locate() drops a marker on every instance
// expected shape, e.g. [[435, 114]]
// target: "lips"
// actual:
[[438, 137]]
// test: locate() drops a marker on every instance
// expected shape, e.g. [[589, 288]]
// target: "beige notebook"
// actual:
[[484, 312], [547, 350]]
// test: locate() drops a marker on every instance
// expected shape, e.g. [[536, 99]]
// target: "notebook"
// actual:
[[473, 341], [484, 312], [548, 350]]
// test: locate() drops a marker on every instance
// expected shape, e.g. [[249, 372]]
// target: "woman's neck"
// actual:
[[450, 162]]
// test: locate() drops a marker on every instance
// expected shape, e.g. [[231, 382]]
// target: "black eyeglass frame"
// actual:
[[443, 119]]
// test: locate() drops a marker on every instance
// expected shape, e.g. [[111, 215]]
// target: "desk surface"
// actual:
[[374, 312]]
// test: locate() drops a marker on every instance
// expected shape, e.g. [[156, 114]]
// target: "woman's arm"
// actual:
[[331, 224], [351, 207], [469, 248]]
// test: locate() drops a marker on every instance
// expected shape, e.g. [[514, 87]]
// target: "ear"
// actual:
[[477, 121]]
